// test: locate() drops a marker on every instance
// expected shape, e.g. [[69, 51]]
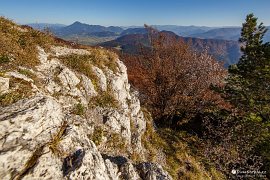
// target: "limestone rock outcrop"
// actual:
[[67, 128]]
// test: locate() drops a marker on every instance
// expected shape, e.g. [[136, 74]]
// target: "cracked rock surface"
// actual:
[[61, 132]]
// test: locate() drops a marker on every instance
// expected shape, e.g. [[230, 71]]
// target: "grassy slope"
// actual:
[[177, 147]]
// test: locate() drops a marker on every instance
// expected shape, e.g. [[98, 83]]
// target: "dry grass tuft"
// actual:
[[78, 109], [104, 99], [97, 135], [18, 46], [19, 89], [56, 139], [79, 63], [97, 57], [116, 143]]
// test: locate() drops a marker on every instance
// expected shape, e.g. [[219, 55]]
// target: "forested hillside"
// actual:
[[222, 50]]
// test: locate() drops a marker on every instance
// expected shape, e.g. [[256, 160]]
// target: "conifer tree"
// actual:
[[252, 44], [244, 131], [248, 89], [248, 82]]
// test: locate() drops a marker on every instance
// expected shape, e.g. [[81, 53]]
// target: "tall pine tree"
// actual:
[[248, 88], [248, 82], [244, 131]]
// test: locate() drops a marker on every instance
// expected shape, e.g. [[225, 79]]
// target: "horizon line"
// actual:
[[223, 26]]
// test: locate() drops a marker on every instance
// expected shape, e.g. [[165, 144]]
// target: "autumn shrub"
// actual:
[[176, 86], [174, 80]]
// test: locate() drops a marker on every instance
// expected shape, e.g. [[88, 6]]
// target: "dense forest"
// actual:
[[223, 114]]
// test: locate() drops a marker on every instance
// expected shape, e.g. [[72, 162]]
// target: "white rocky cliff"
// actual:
[[71, 126]]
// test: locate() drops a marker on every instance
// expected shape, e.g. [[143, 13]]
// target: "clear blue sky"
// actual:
[[136, 12]]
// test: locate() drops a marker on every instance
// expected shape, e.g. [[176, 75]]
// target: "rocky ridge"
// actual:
[[71, 126]]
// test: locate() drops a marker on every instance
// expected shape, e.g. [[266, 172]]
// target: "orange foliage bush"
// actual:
[[174, 80]]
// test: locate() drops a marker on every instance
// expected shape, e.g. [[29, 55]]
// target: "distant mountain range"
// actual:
[[222, 50], [203, 32], [82, 33], [185, 31], [133, 31], [42, 26], [220, 33], [226, 34], [222, 42], [80, 29]]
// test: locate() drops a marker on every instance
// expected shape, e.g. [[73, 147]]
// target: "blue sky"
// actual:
[[136, 12]]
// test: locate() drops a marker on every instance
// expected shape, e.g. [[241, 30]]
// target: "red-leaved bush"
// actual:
[[173, 79]]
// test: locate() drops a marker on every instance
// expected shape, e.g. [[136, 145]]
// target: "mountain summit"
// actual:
[[78, 28]]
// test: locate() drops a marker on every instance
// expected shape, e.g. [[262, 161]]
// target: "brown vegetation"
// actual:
[[174, 80], [18, 45]]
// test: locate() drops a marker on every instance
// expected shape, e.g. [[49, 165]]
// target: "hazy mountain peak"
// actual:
[[77, 23]]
